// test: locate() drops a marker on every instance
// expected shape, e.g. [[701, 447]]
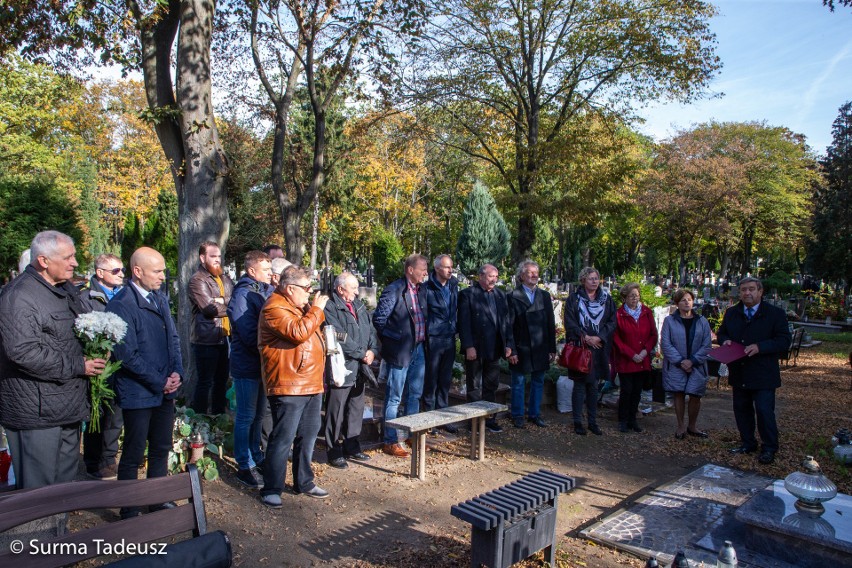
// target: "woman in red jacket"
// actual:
[[634, 341]]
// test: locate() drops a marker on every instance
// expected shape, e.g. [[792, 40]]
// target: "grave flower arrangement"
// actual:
[[100, 332]]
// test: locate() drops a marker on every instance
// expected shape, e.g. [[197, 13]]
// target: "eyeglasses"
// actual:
[[113, 271], [307, 287]]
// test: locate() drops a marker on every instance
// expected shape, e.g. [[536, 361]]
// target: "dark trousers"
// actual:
[[100, 448], [439, 372], [629, 395], [296, 421], [483, 378], [151, 427], [146, 426], [46, 456], [749, 403], [344, 415], [586, 387], [211, 367]]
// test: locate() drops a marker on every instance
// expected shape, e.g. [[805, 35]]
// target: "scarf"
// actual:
[[592, 311], [634, 313]]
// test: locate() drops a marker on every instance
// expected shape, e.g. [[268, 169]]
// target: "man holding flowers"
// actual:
[[43, 373], [151, 369]]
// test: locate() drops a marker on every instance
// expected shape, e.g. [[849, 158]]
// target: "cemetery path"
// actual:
[[376, 516]]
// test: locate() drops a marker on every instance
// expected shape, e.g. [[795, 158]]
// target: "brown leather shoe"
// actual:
[[395, 450], [408, 443]]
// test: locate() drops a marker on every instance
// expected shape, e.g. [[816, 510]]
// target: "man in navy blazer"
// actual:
[[400, 321], [151, 370], [485, 332], [442, 298], [763, 330]]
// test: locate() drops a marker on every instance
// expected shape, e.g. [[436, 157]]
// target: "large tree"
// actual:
[[733, 186], [831, 249], [504, 65], [169, 41]]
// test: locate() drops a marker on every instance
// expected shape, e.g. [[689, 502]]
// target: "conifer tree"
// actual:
[[484, 238], [831, 251]]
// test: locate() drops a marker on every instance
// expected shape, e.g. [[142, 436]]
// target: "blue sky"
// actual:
[[786, 62]]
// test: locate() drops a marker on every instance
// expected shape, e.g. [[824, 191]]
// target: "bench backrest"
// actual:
[[23, 506]]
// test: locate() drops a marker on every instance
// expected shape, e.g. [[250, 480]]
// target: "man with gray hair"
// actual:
[[44, 394], [534, 330], [100, 448], [442, 295], [485, 333], [344, 413]]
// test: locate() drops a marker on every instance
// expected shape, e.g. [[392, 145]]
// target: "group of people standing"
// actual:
[[627, 337], [266, 334]]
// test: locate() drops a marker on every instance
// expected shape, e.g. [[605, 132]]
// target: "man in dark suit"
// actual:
[[151, 370], [763, 330], [486, 336], [534, 330], [400, 321], [442, 297]]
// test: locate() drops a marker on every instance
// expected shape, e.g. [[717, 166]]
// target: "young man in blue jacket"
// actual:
[[250, 293]]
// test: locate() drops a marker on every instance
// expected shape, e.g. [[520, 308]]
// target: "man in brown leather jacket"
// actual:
[[210, 291], [292, 359]]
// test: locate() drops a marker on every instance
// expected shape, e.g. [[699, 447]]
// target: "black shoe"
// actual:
[[635, 427], [339, 463], [492, 426], [766, 457], [359, 457], [593, 428], [622, 427], [451, 429], [742, 450], [106, 473], [539, 421], [161, 506], [681, 436], [697, 433], [258, 468], [518, 421], [579, 430], [248, 478], [130, 512]]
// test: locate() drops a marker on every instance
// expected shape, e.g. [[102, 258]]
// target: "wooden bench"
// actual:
[[132, 534], [417, 425], [795, 346]]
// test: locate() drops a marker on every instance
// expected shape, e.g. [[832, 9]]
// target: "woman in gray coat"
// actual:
[[685, 342]]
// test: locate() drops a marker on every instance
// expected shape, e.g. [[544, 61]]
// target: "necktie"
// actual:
[[351, 310], [749, 313]]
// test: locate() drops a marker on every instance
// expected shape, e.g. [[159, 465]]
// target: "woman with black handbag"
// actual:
[[589, 323]]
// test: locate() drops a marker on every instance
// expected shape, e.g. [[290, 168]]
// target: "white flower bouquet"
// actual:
[[99, 332]]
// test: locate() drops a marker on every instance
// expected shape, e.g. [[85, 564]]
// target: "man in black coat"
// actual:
[[486, 336], [442, 293], [44, 385], [763, 330], [534, 330], [344, 412]]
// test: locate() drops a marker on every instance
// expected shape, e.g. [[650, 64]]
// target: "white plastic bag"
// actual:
[[564, 389], [335, 357]]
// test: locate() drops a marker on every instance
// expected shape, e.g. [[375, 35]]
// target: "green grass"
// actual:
[[845, 337], [834, 344]]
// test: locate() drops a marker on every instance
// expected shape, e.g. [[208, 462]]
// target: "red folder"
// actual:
[[728, 353]]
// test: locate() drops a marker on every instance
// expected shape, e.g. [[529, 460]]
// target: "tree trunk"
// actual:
[[314, 233], [186, 128]]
